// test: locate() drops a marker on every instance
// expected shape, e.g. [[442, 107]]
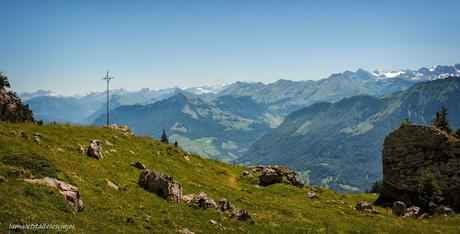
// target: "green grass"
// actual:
[[278, 208]]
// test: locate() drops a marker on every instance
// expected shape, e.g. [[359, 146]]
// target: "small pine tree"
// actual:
[[164, 137], [176, 144], [429, 191], [441, 121]]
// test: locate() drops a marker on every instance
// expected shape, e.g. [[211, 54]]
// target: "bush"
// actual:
[[429, 192], [405, 122], [38, 165]]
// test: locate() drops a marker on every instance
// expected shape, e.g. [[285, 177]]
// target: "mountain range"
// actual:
[[338, 145], [223, 121]]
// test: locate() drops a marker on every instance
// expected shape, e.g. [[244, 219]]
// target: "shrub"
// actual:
[[405, 122], [38, 165]]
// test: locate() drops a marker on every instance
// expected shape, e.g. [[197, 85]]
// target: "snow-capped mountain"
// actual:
[[207, 89], [39, 93], [422, 74]]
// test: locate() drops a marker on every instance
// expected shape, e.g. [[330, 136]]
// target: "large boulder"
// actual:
[[161, 184], [270, 176], [70, 192], [95, 149], [408, 152]]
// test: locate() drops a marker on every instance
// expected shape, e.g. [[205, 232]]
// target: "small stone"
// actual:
[[139, 165], [132, 152], [213, 222], [95, 149], [399, 208], [37, 137], [412, 212], [184, 231], [112, 185], [363, 206], [423, 216], [311, 194], [243, 215]]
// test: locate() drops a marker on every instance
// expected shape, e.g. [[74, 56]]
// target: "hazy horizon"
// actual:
[[66, 47]]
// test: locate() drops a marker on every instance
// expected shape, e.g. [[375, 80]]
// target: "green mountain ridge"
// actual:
[[202, 127], [338, 145]]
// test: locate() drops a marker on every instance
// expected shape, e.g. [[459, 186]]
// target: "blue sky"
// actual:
[[66, 46]]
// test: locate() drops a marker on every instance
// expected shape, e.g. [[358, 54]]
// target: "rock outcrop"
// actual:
[[121, 128], [272, 174], [161, 184], [70, 192], [95, 149], [409, 151]]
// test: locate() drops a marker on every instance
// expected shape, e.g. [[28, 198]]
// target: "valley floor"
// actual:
[[279, 208]]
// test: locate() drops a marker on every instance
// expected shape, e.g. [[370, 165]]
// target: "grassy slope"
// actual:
[[276, 209]]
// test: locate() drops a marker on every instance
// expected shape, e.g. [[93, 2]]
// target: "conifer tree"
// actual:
[[176, 144], [441, 121], [164, 137], [428, 191], [4, 83]]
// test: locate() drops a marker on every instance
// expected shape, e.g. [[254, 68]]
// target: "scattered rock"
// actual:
[[60, 150], [185, 156], [243, 215], [185, 231], [200, 200], [293, 180], [38, 137], [139, 165], [123, 129], [161, 184], [95, 149], [212, 221], [399, 208], [412, 212], [132, 152], [272, 174], [363, 206], [423, 216], [311, 194], [445, 211], [225, 206], [112, 185], [81, 149], [108, 143], [70, 192], [23, 135]]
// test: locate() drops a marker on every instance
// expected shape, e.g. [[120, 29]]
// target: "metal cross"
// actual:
[[107, 78]]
